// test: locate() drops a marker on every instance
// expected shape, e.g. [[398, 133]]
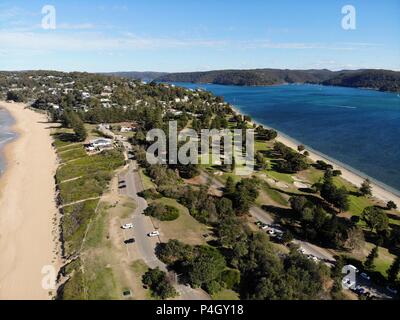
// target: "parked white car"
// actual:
[[127, 226], [302, 251], [154, 234]]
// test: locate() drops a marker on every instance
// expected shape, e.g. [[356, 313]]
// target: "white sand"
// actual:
[[27, 207], [378, 192]]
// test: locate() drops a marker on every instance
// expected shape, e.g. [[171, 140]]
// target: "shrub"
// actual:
[[162, 212], [213, 287], [159, 284], [151, 194], [230, 278]]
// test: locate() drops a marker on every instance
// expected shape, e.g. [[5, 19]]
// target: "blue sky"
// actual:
[[186, 35]]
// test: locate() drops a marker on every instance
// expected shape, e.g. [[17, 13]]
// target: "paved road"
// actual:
[[143, 225], [266, 218]]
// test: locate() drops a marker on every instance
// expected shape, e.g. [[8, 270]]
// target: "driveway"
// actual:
[[144, 245], [266, 218]]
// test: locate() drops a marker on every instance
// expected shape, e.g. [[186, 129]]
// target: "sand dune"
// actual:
[[27, 207]]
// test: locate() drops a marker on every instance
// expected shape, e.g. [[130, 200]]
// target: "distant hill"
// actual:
[[250, 77], [145, 76], [383, 80]]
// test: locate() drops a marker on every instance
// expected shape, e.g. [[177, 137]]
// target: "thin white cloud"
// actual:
[[92, 41], [304, 46], [67, 38], [82, 26]]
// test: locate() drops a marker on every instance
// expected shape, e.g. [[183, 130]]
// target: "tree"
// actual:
[[369, 262], [158, 283], [16, 96], [287, 237], [341, 199], [355, 239], [80, 130], [336, 173], [260, 161], [71, 119], [228, 231], [224, 208], [336, 196], [297, 203], [246, 192], [230, 278], [366, 188], [247, 118], [301, 148], [206, 266], [162, 212], [375, 218], [230, 186], [391, 205], [174, 251], [394, 269]]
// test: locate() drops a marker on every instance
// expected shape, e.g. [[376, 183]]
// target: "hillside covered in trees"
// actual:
[[383, 80]]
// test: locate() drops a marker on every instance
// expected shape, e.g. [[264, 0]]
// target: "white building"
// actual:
[[101, 143]]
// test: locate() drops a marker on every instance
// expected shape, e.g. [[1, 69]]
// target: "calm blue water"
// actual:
[[360, 128], [6, 121]]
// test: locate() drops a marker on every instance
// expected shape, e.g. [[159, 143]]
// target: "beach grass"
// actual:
[[72, 154], [74, 224], [82, 179], [147, 183]]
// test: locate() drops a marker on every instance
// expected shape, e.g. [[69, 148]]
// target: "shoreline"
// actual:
[[28, 211], [5, 143], [349, 174]]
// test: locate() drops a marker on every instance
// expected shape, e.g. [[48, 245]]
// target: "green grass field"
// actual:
[[85, 178], [225, 295], [186, 228], [72, 153], [74, 223]]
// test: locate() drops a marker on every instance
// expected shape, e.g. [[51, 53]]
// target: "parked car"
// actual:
[[365, 276], [302, 251], [132, 240], [127, 226], [264, 226], [154, 234], [391, 289], [360, 290]]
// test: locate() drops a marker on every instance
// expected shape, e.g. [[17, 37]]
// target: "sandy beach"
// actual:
[[378, 192], [27, 209]]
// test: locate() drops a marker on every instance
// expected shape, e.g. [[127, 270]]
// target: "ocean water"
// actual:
[[358, 128], [6, 135]]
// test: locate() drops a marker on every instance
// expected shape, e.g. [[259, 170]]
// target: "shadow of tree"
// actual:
[[66, 137]]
